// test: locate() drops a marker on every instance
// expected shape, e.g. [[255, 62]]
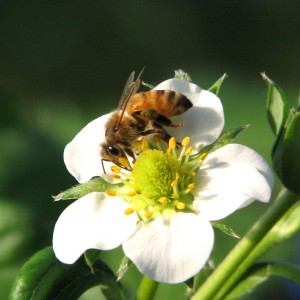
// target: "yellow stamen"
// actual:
[[203, 156], [180, 205], [168, 151], [172, 143], [192, 174], [111, 192], [173, 183], [115, 176], [131, 193], [124, 162], [148, 214], [189, 150], [185, 141], [115, 169], [191, 185], [128, 211], [162, 200]]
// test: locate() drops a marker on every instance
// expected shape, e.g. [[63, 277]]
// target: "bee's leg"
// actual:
[[152, 114], [159, 130]]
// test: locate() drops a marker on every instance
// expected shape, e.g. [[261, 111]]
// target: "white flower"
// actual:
[[168, 236]]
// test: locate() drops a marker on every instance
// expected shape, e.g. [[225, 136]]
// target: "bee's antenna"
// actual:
[[133, 87]]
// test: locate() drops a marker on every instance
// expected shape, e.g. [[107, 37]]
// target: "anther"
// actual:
[[172, 143], [191, 185], [131, 193], [162, 200], [115, 176], [185, 141], [180, 205], [189, 150], [128, 211], [192, 174], [203, 156], [148, 214], [115, 169], [111, 192]]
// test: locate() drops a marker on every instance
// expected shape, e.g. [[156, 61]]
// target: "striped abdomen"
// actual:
[[165, 102]]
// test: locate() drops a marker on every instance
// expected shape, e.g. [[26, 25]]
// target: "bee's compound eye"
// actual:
[[114, 151]]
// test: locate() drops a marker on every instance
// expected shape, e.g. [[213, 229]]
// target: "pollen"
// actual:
[[124, 162], [111, 192]]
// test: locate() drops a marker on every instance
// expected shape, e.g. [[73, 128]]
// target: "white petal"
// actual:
[[94, 221], [231, 178], [204, 121], [82, 154], [171, 251]]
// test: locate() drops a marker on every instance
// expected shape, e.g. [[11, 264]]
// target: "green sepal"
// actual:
[[180, 74], [226, 138], [215, 88], [260, 273], [225, 228], [286, 154], [277, 108], [44, 277], [96, 184], [123, 268], [90, 257]]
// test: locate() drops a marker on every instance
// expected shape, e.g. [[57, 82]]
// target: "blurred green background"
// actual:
[[64, 63]]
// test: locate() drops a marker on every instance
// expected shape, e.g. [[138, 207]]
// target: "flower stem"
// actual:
[[233, 262], [147, 289]]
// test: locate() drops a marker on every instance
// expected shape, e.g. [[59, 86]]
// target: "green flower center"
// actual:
[[154, 172], [161, 182]]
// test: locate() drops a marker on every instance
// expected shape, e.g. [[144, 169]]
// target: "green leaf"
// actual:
[[290, 156], [96, 184], [215, 88], [277, 109], [260, 273], [44, 277], [226, 137], [224, 228], [90, 257], [180, 74]]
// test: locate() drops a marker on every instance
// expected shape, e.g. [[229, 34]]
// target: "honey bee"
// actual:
[[139, 115]]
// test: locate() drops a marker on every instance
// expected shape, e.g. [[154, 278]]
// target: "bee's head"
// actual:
[[116, 155]]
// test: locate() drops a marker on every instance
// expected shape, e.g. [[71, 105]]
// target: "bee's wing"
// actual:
[[130, 89], [125, 92]]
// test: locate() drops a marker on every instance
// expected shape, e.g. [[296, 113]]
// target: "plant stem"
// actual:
[[244, 247], [147, 289]]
